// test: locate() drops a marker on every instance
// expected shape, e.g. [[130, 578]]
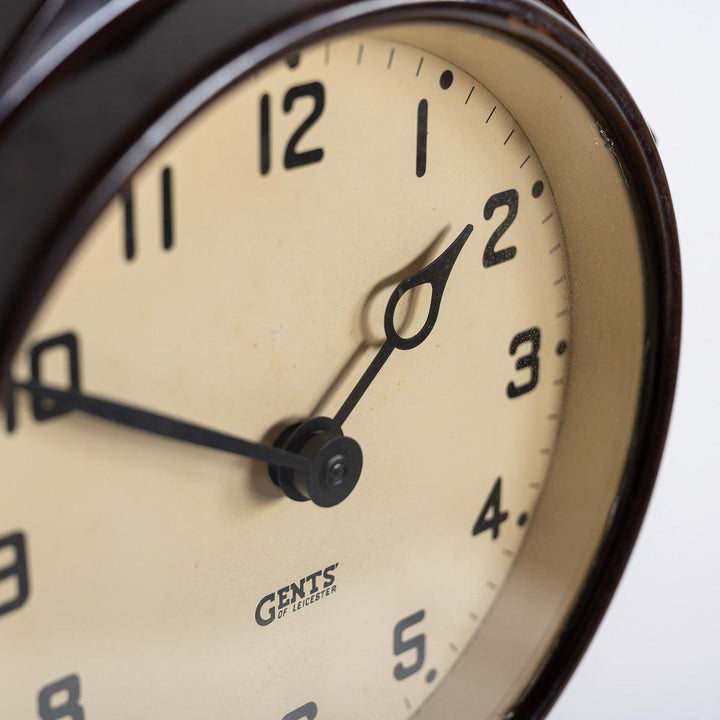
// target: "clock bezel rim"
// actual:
[[574, 54]]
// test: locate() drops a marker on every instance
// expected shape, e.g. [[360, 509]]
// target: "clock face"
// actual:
[[361, 232]]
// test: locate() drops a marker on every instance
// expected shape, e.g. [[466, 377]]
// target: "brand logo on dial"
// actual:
[[296, 595]]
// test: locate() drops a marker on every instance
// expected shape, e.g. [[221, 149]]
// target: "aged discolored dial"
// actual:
[[337, 346], [242, 283]]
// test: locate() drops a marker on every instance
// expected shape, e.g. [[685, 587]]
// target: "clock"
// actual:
[[338, 344]]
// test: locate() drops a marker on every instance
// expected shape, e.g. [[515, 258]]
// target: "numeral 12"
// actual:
[[292, 158]]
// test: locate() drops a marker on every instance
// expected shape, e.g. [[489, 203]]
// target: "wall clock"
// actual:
[[337, 343]]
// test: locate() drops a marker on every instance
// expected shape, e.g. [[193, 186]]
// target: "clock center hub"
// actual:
[[335, 462]]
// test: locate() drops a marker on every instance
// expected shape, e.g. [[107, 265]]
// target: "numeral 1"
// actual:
[[9, 403], [421, 144], [509, 199]]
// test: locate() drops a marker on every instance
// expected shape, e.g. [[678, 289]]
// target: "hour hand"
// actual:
[[164, 426], [436, 275]]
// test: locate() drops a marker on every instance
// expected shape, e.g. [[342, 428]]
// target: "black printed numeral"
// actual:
[[402, 645], [10, 412], [491, 516], [510, 200], [167, 229], [422, 133], [530, 361], [44, 408], [308, 711], [293, 157], [14, 577], [61, 699]]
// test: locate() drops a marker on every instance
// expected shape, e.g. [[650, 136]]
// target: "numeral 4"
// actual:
[[491, 516], [402, 645]]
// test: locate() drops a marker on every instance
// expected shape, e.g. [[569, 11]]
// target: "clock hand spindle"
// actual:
[[436, 274], [165, 426]]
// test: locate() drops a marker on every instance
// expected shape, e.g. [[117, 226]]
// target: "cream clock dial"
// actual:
[[326, 399], [241, 282]]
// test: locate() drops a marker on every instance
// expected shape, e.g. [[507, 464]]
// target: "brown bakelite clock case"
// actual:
[[337, 346]]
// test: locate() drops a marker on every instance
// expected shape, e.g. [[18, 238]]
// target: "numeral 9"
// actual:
[[17, 569]]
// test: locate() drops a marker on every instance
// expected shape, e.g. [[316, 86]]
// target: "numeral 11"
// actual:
[[168, 223]]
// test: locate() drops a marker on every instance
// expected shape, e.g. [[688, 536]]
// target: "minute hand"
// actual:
[[165, 426], [436, 274]]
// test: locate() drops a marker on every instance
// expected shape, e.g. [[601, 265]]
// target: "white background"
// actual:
[[657, 653]]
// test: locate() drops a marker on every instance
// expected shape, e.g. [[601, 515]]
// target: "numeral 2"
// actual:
[[510, 200]]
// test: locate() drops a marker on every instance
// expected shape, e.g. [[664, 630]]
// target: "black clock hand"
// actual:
[[166, 426], [373, 337], [436, 274]]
